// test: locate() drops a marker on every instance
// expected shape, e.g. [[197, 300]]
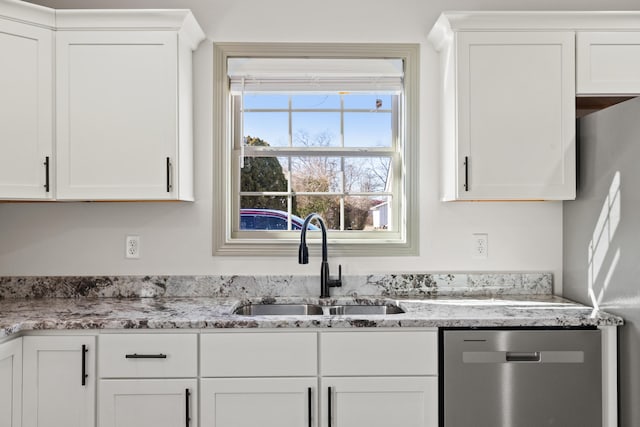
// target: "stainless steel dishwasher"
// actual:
[[521, 378]]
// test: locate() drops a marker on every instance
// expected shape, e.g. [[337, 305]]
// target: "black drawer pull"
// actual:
[[145, 356], [466, 173], [47, 185], [329, 407], [84, 365], [310, 407], [187, 420], [169, 185]]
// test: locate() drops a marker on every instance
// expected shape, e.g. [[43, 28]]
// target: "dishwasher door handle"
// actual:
[[523, 357], [519, 356]]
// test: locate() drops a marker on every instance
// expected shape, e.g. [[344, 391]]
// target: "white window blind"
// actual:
[[315, 75]]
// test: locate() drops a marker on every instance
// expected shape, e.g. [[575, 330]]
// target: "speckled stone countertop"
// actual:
[[19, 314]]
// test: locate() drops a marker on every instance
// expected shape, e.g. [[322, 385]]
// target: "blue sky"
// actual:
[[370, 128]]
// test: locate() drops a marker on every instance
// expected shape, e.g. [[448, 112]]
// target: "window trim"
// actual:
[[223, 241]]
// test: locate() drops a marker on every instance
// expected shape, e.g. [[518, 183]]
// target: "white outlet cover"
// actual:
[[132, 247], [480, 246]]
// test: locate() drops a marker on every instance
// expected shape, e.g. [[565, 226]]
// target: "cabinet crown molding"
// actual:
[[21, 11], [181, 20], [454, 21]]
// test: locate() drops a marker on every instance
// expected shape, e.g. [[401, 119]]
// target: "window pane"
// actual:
[[367, 213], [316, 129], [272, 128], [315, 101], [367, 102], [367, 129], [263, 174], [316, 174], [328, 207], [367, 174], [263, 213], [263, 101]]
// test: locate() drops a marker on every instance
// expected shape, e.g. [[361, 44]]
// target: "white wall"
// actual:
[[88, 238]]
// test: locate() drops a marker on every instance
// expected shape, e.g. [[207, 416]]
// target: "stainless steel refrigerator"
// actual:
[[601, 235]]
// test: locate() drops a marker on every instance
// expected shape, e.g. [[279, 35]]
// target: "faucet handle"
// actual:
[[337, 282]]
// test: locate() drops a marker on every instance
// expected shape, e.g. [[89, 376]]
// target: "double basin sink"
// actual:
[[315, 310]]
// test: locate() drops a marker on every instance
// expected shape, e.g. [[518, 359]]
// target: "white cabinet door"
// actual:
[[117, 112], [11, 383], [608, 63], [148, 403], [379, 402], [59, 381], [26, 111], [264, 402], [515, 122]]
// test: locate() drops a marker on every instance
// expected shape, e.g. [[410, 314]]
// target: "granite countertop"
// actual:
[[25, 314]]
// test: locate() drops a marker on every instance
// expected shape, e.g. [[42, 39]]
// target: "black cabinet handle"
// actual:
[[145, 356], [466, 173], [84, 364], [329, 411], [46, 176], [187, 419], [310, 407], [169, 175]]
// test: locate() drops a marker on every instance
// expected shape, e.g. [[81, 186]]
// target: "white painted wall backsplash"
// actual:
[[88, 238]]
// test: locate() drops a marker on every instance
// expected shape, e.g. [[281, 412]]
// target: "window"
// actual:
[[298, 133]]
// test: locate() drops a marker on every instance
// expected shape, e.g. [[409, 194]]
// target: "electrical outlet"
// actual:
[[132, 247], [480, 246]]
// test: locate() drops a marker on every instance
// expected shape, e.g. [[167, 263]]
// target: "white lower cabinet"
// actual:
[[11, 383], [379, 378], [148, 403], [367, 379], [148, 380], [265, 402], [267, 379], [340, 378], [58, 381], [379, 402]]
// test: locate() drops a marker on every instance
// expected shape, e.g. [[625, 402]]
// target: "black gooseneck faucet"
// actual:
[[303, 256]]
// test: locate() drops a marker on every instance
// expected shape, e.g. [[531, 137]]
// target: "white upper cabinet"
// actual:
[[26, 105], [508, 112], [123, 107], [508, 86], [608, 63]]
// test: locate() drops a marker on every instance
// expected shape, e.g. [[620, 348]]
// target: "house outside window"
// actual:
[[331, 133]]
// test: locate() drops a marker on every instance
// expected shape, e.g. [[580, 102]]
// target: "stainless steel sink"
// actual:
[[315, 310], [279, 310], [345, 310]]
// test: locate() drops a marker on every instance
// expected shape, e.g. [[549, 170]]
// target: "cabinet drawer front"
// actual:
[[608, 63], [148, 355], [379, 353], [258, 354]]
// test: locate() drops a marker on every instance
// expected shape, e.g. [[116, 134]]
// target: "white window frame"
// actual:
[[400, 242]]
